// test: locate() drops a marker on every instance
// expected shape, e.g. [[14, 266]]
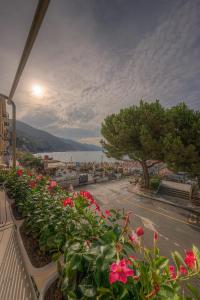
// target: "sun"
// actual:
[[37, 90]]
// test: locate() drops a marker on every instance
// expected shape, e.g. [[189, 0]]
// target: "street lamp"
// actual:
[[11, 102]]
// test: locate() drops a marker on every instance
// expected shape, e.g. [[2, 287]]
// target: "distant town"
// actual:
[[81, 173]]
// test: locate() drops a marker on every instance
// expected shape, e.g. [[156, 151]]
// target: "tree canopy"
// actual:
[[136, 131], [182, 143], [150, 133]]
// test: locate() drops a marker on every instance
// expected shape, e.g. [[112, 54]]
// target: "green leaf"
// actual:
[[197, 255], [75, 247], [71, 296], [109, 236], [88, 290], [177, 260], [104, 291], [56, 256], [161, 262]]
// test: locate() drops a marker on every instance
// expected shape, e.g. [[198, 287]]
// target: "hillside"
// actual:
[[36, 141]]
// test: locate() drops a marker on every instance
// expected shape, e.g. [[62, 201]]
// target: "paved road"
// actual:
[[175, 227]]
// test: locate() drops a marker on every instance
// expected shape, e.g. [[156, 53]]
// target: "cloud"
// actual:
[[90, 70]]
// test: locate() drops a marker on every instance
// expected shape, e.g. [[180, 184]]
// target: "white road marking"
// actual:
[[163, 209], [147, 223], [176, 244]]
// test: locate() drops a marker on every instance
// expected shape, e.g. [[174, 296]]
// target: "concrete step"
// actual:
[[196, 199], [163, 190]]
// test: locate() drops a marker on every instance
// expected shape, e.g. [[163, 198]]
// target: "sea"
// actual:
[[78, 156]]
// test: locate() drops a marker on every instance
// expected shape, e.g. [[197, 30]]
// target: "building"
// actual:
[[4, 138]]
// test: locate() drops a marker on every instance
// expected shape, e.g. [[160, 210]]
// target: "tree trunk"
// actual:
[[145, 174]]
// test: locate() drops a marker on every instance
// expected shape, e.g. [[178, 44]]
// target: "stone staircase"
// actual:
[[174, 189], [196, 199]]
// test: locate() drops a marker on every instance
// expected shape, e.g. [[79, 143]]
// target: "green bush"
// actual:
[[154, 182], [103, 257]]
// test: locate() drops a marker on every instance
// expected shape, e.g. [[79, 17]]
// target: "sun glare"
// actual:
[[37, 90]]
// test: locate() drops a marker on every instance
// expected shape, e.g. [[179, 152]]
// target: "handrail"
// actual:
[[35, 26]]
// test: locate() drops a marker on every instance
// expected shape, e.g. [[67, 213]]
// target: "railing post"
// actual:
[[13, 132]]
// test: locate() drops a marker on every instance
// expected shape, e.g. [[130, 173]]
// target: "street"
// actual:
[[176, 229]]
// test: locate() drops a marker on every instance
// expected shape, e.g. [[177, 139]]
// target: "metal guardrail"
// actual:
[[15, 282]]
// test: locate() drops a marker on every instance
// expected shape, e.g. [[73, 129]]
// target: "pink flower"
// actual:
[[190, 259], [119, 272], [183, 270], [38, 177], [139, 231], [52, 184], [172, 272], [134, 238], [68, 201], [107, 213], [20, 172], [155, 236], [32, 184]]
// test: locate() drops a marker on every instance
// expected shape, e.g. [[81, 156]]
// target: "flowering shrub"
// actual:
[[103, 257]]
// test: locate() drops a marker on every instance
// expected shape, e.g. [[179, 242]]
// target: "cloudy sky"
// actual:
[[93, 57]]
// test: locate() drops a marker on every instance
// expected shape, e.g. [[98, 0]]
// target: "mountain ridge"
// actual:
[[36, 140]]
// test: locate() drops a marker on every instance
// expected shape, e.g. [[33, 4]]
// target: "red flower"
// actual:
[[32, 184], [119, 272], [68, 201], [97, 206], [190, 259], [172, 272], [183, 270], [155, 236], [107, 213], [20, 172], [29, 173], [89, 197], [86, 194], [139, 231]]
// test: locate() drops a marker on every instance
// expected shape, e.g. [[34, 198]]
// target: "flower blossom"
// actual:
[[155, 236], [20, 172], [107, 213], [32, 184], [183, 270], [86, 194], [89, 197], [190, 259], [52, 184], [139, 231], [172, 272], [119, 272], [134, 237], [68, 201]]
